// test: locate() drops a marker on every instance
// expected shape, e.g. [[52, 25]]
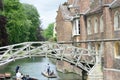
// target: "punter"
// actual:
[[48, 69], [17, 68]]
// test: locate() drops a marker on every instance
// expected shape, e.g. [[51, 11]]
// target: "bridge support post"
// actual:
[[28, 51], [96, 73]]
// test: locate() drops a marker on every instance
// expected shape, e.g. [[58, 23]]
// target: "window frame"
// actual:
[[76, 27], [89, 27], [116, 49], [101, 24], [116, 21], [96, 25]]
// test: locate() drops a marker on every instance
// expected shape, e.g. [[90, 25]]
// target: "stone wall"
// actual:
[[84, 5], [67, 67], [63, 28], [112, 74]]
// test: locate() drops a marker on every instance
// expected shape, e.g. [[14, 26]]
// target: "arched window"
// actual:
[[89, 26], [116, 21], [101, 24], [96, 26], [117, 49]]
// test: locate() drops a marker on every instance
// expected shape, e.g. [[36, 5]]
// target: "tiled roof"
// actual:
[[65, 12]]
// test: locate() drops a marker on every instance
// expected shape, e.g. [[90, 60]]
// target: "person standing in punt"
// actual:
[[48, 69], [17, 68]]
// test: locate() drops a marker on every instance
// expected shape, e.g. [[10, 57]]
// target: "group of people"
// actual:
[[20, 76]]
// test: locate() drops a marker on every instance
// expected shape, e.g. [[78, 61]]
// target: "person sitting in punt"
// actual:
[[18, 75], [52, 73]]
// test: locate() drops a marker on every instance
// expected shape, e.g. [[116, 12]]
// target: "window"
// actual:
[[89, 27], [116, 21], [117, 49], [96, 26], [79, 26], [76, 27], [101, 24]]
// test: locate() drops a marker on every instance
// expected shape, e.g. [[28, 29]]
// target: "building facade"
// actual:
[[93, 21]]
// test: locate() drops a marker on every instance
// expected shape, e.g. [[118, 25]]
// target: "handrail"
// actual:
[[71, 54]]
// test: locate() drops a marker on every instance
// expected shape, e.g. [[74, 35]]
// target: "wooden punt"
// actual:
[[31, 78], [5, 76], [49, 76], [2, 76]]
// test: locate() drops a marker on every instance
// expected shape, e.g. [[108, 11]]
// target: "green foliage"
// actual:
[[48, 33], [23, 21], [33, 17], [13, 10]]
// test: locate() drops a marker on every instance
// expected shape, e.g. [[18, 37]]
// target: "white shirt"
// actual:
[[18, 75]]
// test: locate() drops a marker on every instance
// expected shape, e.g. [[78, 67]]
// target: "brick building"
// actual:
[[63, 26], [93, 20]]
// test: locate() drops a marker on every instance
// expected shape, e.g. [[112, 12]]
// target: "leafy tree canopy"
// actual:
[[33, 17], [23, 21], [48, 32]]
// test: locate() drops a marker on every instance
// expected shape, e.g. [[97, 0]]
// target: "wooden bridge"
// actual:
[[82, 58]]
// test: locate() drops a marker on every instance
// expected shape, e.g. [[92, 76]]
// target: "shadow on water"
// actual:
[[34, 66]]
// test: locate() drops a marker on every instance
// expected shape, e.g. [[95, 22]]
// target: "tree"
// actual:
[[3, 32], [39, 34], [48, 33], [33, 17], [17, 21], [23, 21]]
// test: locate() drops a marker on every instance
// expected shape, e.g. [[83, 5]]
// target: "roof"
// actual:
[[65, 12]]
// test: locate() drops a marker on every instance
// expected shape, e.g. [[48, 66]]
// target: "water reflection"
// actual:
[[34, 67]]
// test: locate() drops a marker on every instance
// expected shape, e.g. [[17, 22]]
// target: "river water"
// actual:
[[34, 66]]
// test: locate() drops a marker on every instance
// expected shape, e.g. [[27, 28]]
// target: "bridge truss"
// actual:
[[82, 58]]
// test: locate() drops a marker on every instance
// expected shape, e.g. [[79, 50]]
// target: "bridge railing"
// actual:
[[83, 58]]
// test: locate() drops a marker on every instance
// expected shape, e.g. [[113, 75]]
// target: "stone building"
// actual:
[[98, 23]]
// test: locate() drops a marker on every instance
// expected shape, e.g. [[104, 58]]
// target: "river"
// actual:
[[34, 66]]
